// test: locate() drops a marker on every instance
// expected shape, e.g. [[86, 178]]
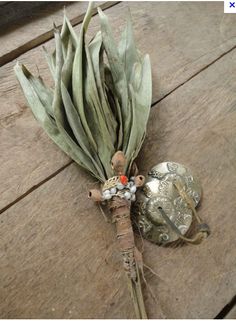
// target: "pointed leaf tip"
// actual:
[[55, 28]]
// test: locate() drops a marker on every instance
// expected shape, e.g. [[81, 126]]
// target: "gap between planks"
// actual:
[[47, 36], [226, 309], [33, 188], [15, 53], [232, 302], [194, 75]]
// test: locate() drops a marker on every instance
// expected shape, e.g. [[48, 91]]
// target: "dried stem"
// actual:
[[120, 209]]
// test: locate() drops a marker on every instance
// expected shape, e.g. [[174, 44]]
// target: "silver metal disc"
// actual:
[[158, 192]]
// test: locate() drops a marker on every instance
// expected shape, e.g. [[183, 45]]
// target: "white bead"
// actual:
[[132, 178], [133, 189], [131, 183], [133, 198], [127, 195], [113, 190], [107, 196], [120, 186]]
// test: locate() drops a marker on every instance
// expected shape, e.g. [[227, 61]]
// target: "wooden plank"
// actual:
[[182, 38], [176, 48], [36, 26], [13, 12], [196, 126], [27, 166], [60, 276], [57, 250]]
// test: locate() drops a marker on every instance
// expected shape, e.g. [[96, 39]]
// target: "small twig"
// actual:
[[103, 214]]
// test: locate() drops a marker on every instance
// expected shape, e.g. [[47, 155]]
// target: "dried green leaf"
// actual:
[[141, 95], [114, 105], [118, 76], [72, 114], [95, 108], [95, 117], [78, 77], [96, 55], [127, 50], [59, 112], [44, 93], [44, 118], [50, 61]]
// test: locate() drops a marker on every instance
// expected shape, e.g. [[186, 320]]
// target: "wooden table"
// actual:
[[58, 256]]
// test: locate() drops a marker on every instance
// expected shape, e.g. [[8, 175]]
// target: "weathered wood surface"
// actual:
[[37, 26], [54, 242], [166, 31], [63, 261], [16, 122], [11, 13], [196, 126]]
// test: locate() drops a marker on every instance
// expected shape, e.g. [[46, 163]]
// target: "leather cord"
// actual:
[[203, 230]]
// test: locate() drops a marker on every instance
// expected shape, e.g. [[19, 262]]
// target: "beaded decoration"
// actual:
[[119, 186]]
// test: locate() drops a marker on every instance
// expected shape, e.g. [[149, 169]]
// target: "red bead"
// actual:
[[124, 179]]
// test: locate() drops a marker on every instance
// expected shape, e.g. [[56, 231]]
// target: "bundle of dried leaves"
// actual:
[[99, 105]]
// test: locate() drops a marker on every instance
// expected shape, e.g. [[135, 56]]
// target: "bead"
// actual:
[[107, 196], [113, 190], [132, 178], [127, 195], [120, 186], [139, 180], [133, 189], [106, 192], [95, 195], [123, 179]]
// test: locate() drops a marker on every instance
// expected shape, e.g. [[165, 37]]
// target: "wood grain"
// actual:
[[27, 167], [11, 13], [36, 26], [57, 276], [179, 47], [58, 257], [182, 38], [196, 126]]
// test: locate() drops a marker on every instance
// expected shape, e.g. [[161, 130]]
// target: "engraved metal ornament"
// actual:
[[160, 191]]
